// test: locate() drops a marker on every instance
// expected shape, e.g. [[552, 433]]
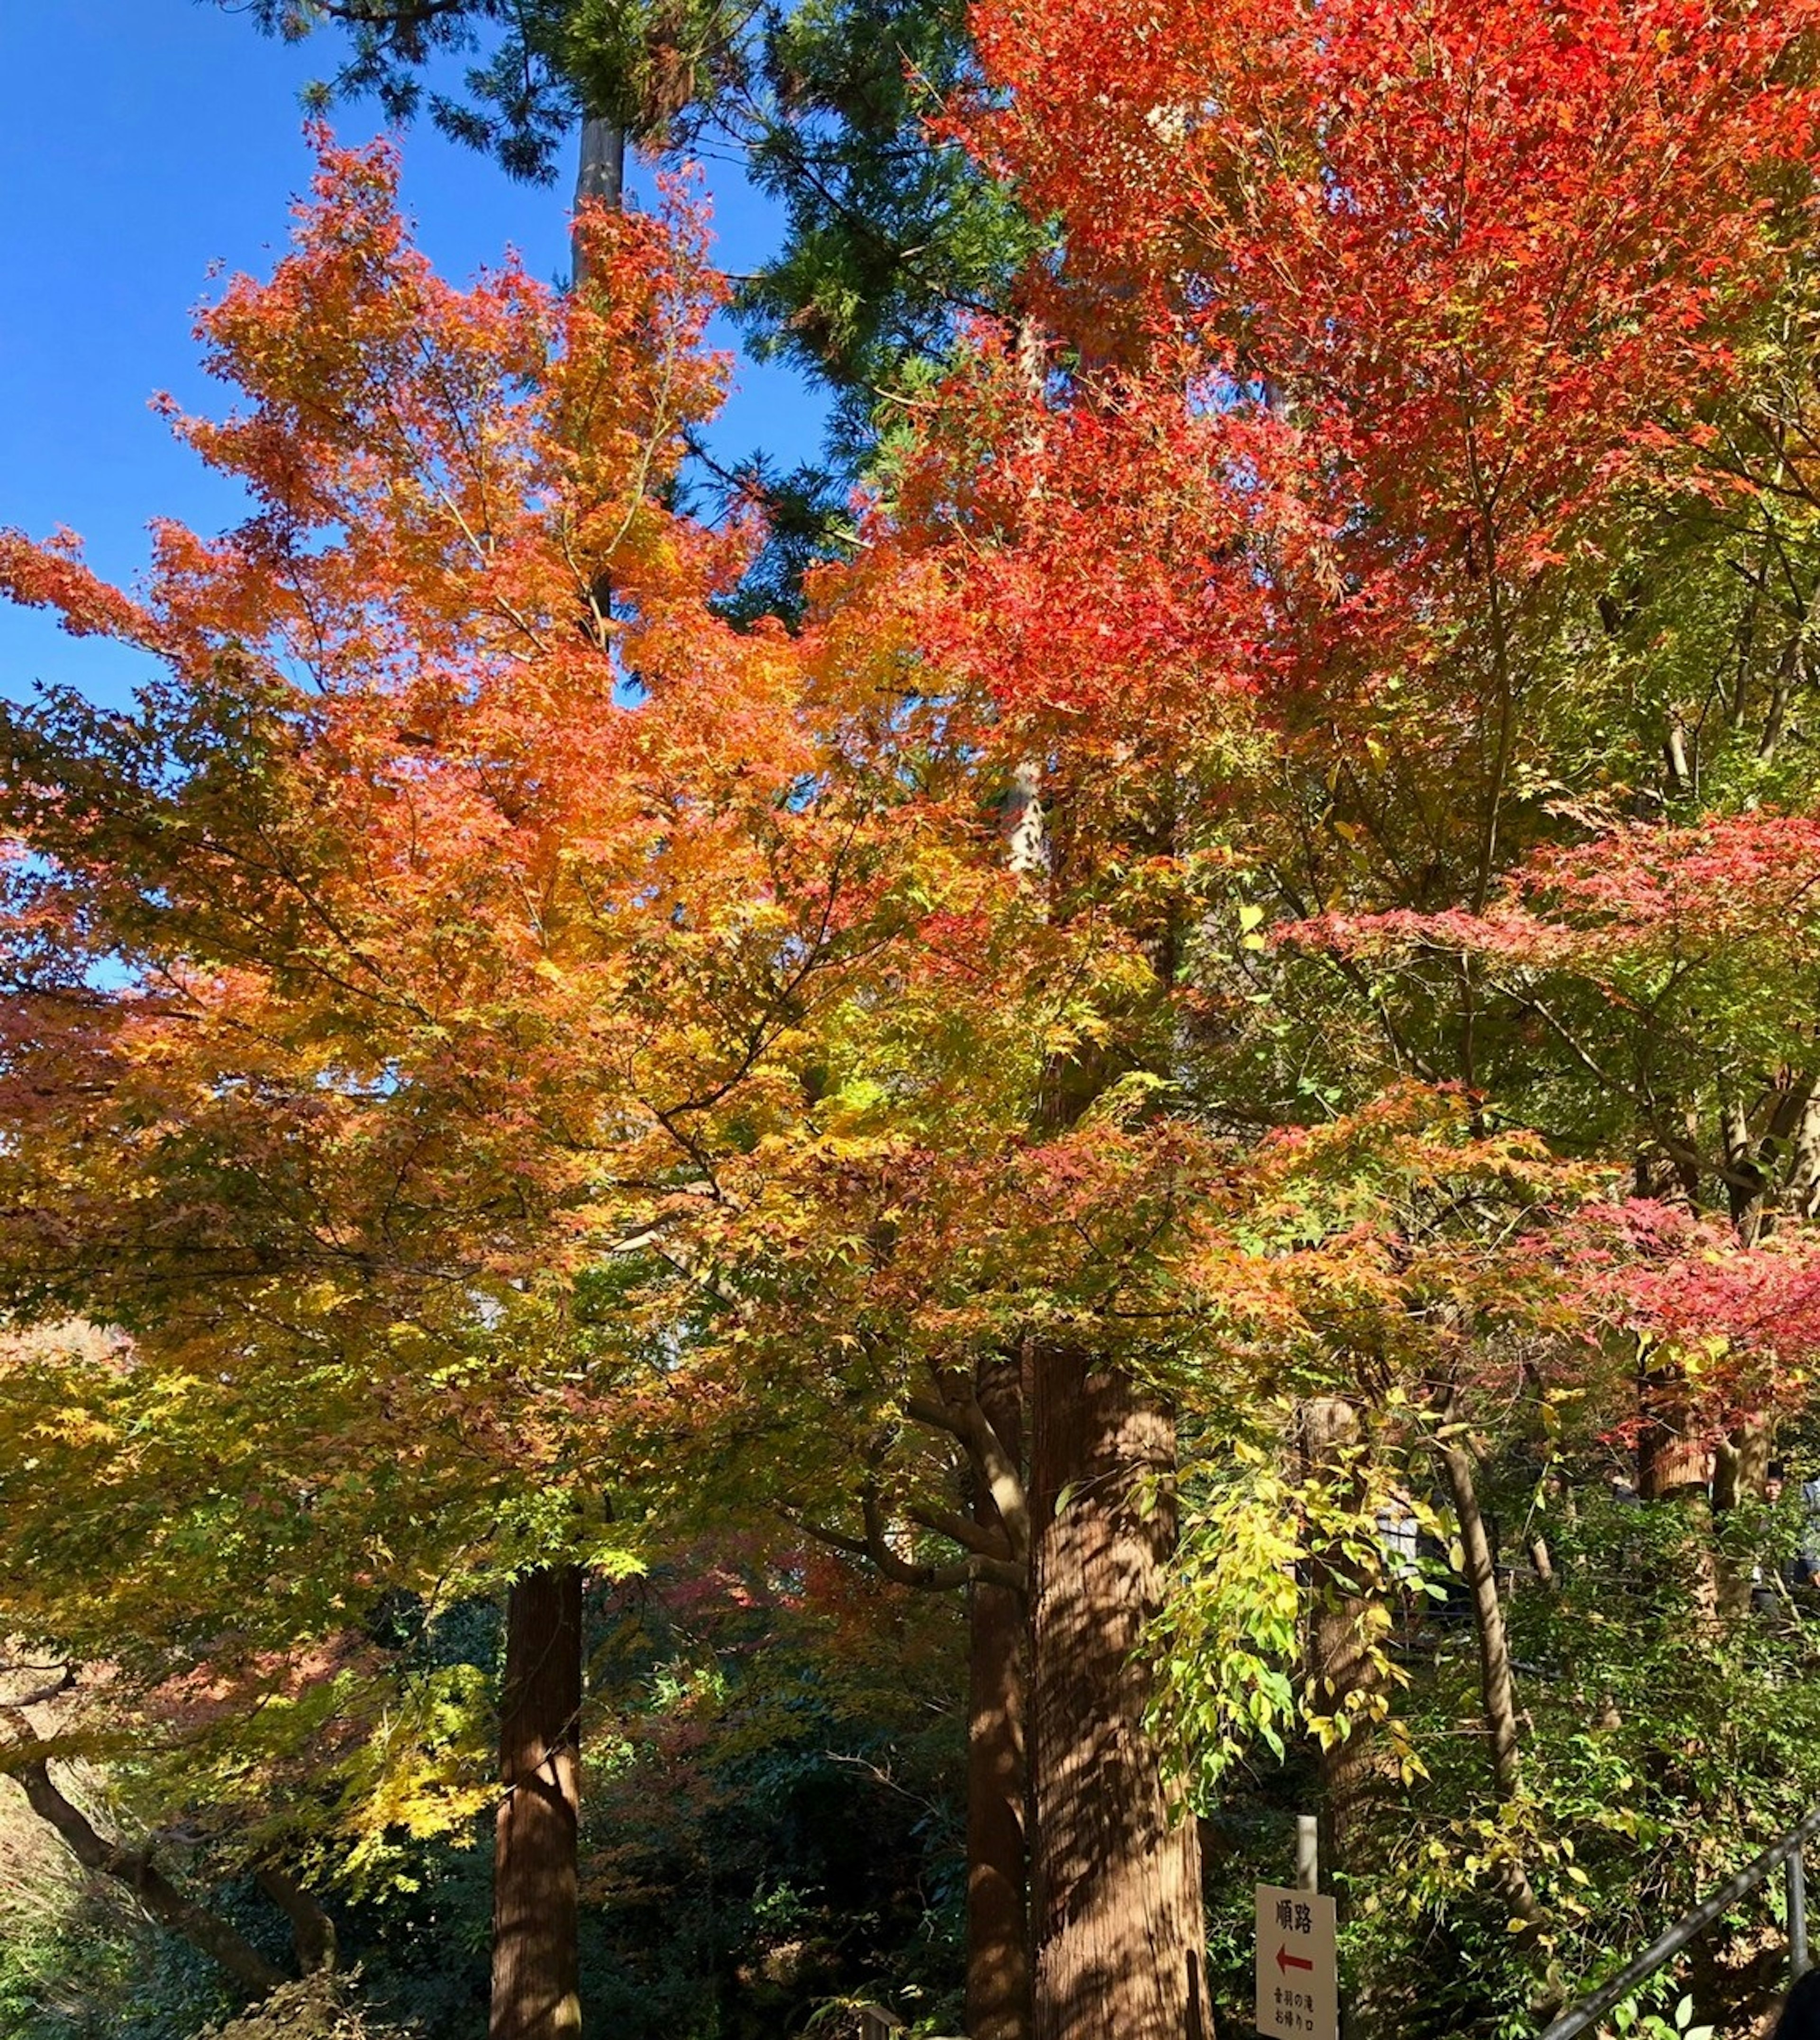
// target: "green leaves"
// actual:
[[1225, 1648]]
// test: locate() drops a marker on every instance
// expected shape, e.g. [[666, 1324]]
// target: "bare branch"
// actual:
[[959, 1413], [970, 1536]]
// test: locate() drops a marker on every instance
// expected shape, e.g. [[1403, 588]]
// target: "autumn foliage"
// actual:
[[1243, 897]]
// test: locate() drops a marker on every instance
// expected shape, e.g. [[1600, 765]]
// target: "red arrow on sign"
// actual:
[[1286, 1962]]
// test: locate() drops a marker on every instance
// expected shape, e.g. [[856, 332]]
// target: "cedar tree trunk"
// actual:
[[536, 1985], [997, 1893], [1119, 1932]]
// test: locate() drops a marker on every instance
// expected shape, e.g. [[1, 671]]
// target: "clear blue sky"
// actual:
[[142, 141]]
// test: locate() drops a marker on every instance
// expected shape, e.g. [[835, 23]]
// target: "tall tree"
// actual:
[[1302, 523], [386, 844], [892, 236], [1270, 593]]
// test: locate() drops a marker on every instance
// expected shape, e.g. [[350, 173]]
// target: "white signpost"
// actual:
[[1298, 1976]]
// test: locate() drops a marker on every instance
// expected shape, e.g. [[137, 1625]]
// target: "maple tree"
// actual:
[[891, 232], [1372, 318], [415, 893], [1173, 953]]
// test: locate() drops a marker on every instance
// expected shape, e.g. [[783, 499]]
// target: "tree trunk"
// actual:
[[1674, 1465], [536, 1919], [1740, 1473], [998, 1883], [1672, 1461], [1342, 1671], [312, 1931], [536, 1985], [1497, 1689], [1747, 1188], [1119, 1932], [602, 174], [1497, 1692], [1801, 1178]]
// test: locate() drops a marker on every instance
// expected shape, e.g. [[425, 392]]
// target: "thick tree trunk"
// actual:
[[998, 1920], [998, 1882], [601, 177], [536, 1985], [1343, 1671], [1672, 1461], [1120, 1936]]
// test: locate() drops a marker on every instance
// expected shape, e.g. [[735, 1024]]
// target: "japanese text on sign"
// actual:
[[1298, 1982]]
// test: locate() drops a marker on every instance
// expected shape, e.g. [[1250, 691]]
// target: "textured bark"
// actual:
[[1341, 1669], [1497, 1688], [1672, 1461], [536, 1986], [164, 1901], [602, 173], [998, 1896], [1120, 1937], [1740, 1473], [1670, 1464]]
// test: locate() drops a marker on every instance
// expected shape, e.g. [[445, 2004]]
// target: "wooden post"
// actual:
[[1308, 1853]]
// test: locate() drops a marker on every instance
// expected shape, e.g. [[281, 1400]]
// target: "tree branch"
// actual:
[[962, 1416], [978, 1568], [312, 1931], [970, 1536], [134, 1868]]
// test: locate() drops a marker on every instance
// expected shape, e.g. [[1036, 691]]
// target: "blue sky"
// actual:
[[141, 141]]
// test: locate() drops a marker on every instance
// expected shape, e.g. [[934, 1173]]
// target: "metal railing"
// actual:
[[1786, 1852]]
